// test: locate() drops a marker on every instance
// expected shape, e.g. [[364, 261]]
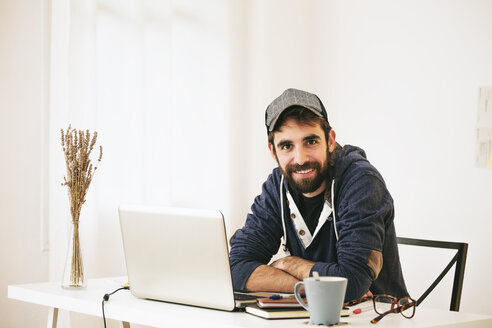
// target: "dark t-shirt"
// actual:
[[310, 208]]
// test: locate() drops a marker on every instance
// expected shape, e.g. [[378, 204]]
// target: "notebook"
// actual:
[[283, 312], [277, 313], [178, 255]]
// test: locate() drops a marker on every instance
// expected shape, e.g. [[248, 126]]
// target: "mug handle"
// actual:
[[298, 297]]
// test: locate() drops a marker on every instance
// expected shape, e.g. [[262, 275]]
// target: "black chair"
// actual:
[[459, 273]]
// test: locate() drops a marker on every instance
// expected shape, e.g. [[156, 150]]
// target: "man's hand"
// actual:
[[266, 278], [295, 266], [280, 276]]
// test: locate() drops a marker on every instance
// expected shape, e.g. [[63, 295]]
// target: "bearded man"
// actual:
[[326, 206]]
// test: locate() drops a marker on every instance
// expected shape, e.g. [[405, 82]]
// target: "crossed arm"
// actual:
[[280, 276]]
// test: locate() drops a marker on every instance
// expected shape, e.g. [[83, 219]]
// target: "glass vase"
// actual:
[[73, 273]]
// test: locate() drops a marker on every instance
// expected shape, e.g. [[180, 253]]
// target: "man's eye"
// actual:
[[285, 147], [312, 142]]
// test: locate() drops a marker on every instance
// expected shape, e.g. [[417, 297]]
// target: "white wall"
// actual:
[[22, 165]]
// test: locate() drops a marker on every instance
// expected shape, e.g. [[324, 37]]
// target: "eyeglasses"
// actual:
[[386, 304]]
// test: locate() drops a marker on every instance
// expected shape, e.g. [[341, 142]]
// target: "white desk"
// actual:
[[122, 306]]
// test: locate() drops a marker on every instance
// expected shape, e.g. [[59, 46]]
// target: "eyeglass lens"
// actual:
[[408, 309], [383, 303]]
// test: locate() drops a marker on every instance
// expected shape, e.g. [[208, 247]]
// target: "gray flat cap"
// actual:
[[289, 98]]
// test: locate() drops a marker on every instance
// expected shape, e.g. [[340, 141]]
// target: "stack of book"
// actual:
[[280, 308]]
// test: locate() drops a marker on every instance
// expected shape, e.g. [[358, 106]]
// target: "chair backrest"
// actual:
[[459, 273]]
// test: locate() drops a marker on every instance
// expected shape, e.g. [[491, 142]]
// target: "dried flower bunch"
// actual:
[[77, 146]]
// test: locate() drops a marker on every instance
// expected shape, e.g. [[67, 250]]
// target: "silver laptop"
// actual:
[[178, 255]]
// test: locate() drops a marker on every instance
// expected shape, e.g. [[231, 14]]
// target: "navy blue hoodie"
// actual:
[[364, 221]]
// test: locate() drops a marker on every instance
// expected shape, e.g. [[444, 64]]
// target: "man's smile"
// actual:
[[304, 173]]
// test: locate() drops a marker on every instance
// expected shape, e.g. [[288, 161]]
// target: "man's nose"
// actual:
[[300, 156]]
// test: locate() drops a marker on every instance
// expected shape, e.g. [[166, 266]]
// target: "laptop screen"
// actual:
[[177, 255]]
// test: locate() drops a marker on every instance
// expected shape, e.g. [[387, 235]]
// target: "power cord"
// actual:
[[106, 298]]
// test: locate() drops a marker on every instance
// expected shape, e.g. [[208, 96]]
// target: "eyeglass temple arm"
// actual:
[[382, 315], [379, 317], [357, 301], [439, 278]]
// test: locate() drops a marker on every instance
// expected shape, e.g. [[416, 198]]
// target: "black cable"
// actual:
[[106, 298]]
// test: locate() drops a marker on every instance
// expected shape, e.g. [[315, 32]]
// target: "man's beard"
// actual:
[[306, 185]]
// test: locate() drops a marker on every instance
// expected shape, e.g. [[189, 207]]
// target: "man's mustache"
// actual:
[[305, 166]]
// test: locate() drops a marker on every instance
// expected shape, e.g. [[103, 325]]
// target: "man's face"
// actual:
[[301, 153]]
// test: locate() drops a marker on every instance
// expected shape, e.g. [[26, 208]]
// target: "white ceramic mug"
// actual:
[[324, 296]]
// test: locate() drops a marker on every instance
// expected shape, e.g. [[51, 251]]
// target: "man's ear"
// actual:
[[272, 151], [331, 140]]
